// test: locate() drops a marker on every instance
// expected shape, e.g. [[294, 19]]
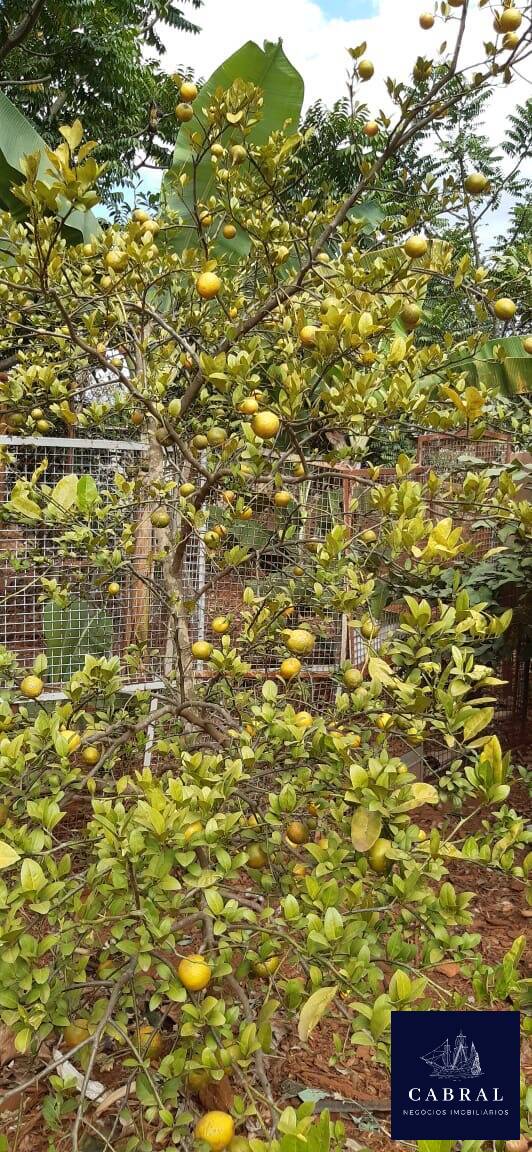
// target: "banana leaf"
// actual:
[[269, 69], [71, 633], [18, 138], [500, 364]]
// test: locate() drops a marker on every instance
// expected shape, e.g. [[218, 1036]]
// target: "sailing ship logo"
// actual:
[[460, 1065]]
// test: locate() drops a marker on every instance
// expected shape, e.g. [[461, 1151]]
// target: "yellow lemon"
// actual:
[[267, 967], [257, 857], [476, 183], [300, 642], [188, 91], [216, 1129], [76, 1033], [297, 832], [365, 69], [73, 738], [290, 668], [183, 113], [504, 308], [303, 719], [265, 425], [509, 20], [208, 285], [282, 499], [307, 335], [411, 315], [91, 754], [192, 830], [149, 1042], [415, 247], [194, 973], [201, 650], [238, 154], [31, 687], [220, 625], [249, 406], [377, 856]]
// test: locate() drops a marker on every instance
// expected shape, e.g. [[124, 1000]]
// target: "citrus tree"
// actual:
[[179, 879]]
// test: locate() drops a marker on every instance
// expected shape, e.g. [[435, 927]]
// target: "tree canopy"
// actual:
[[99, 62]]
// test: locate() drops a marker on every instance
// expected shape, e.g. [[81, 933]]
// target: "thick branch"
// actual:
[[21, 30]]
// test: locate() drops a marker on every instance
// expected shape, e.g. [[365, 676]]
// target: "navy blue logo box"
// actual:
[[455, 1075]]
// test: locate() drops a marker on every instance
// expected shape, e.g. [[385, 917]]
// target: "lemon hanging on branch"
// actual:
[[300, 641], [208, 285], [32, 687], [184, 113], [194, 973], [265, 425], [188, 91]]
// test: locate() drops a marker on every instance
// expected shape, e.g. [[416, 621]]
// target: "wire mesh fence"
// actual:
[[275, 555], [134, 624], [451, 457], [82, 617]]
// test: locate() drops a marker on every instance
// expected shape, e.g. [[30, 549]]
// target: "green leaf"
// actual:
[[365, 829], [8, 856], [481, 718], [21, 504], [64, 495], [397, 351], [87, 493], [73, 134], [71, 633], [400, 986], [32, 877], [380, 671], [23, 1040], [425, 793], [312, 1012], [18, 138], [269, 691], [283, 90], [420, 794]]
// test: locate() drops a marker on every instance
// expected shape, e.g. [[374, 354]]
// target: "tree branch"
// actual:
[[21, 30]]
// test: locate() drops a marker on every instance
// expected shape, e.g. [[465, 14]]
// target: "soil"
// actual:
[[500, 914]]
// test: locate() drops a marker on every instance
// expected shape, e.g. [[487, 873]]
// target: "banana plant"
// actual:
[[502, 364], [18, 138]]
